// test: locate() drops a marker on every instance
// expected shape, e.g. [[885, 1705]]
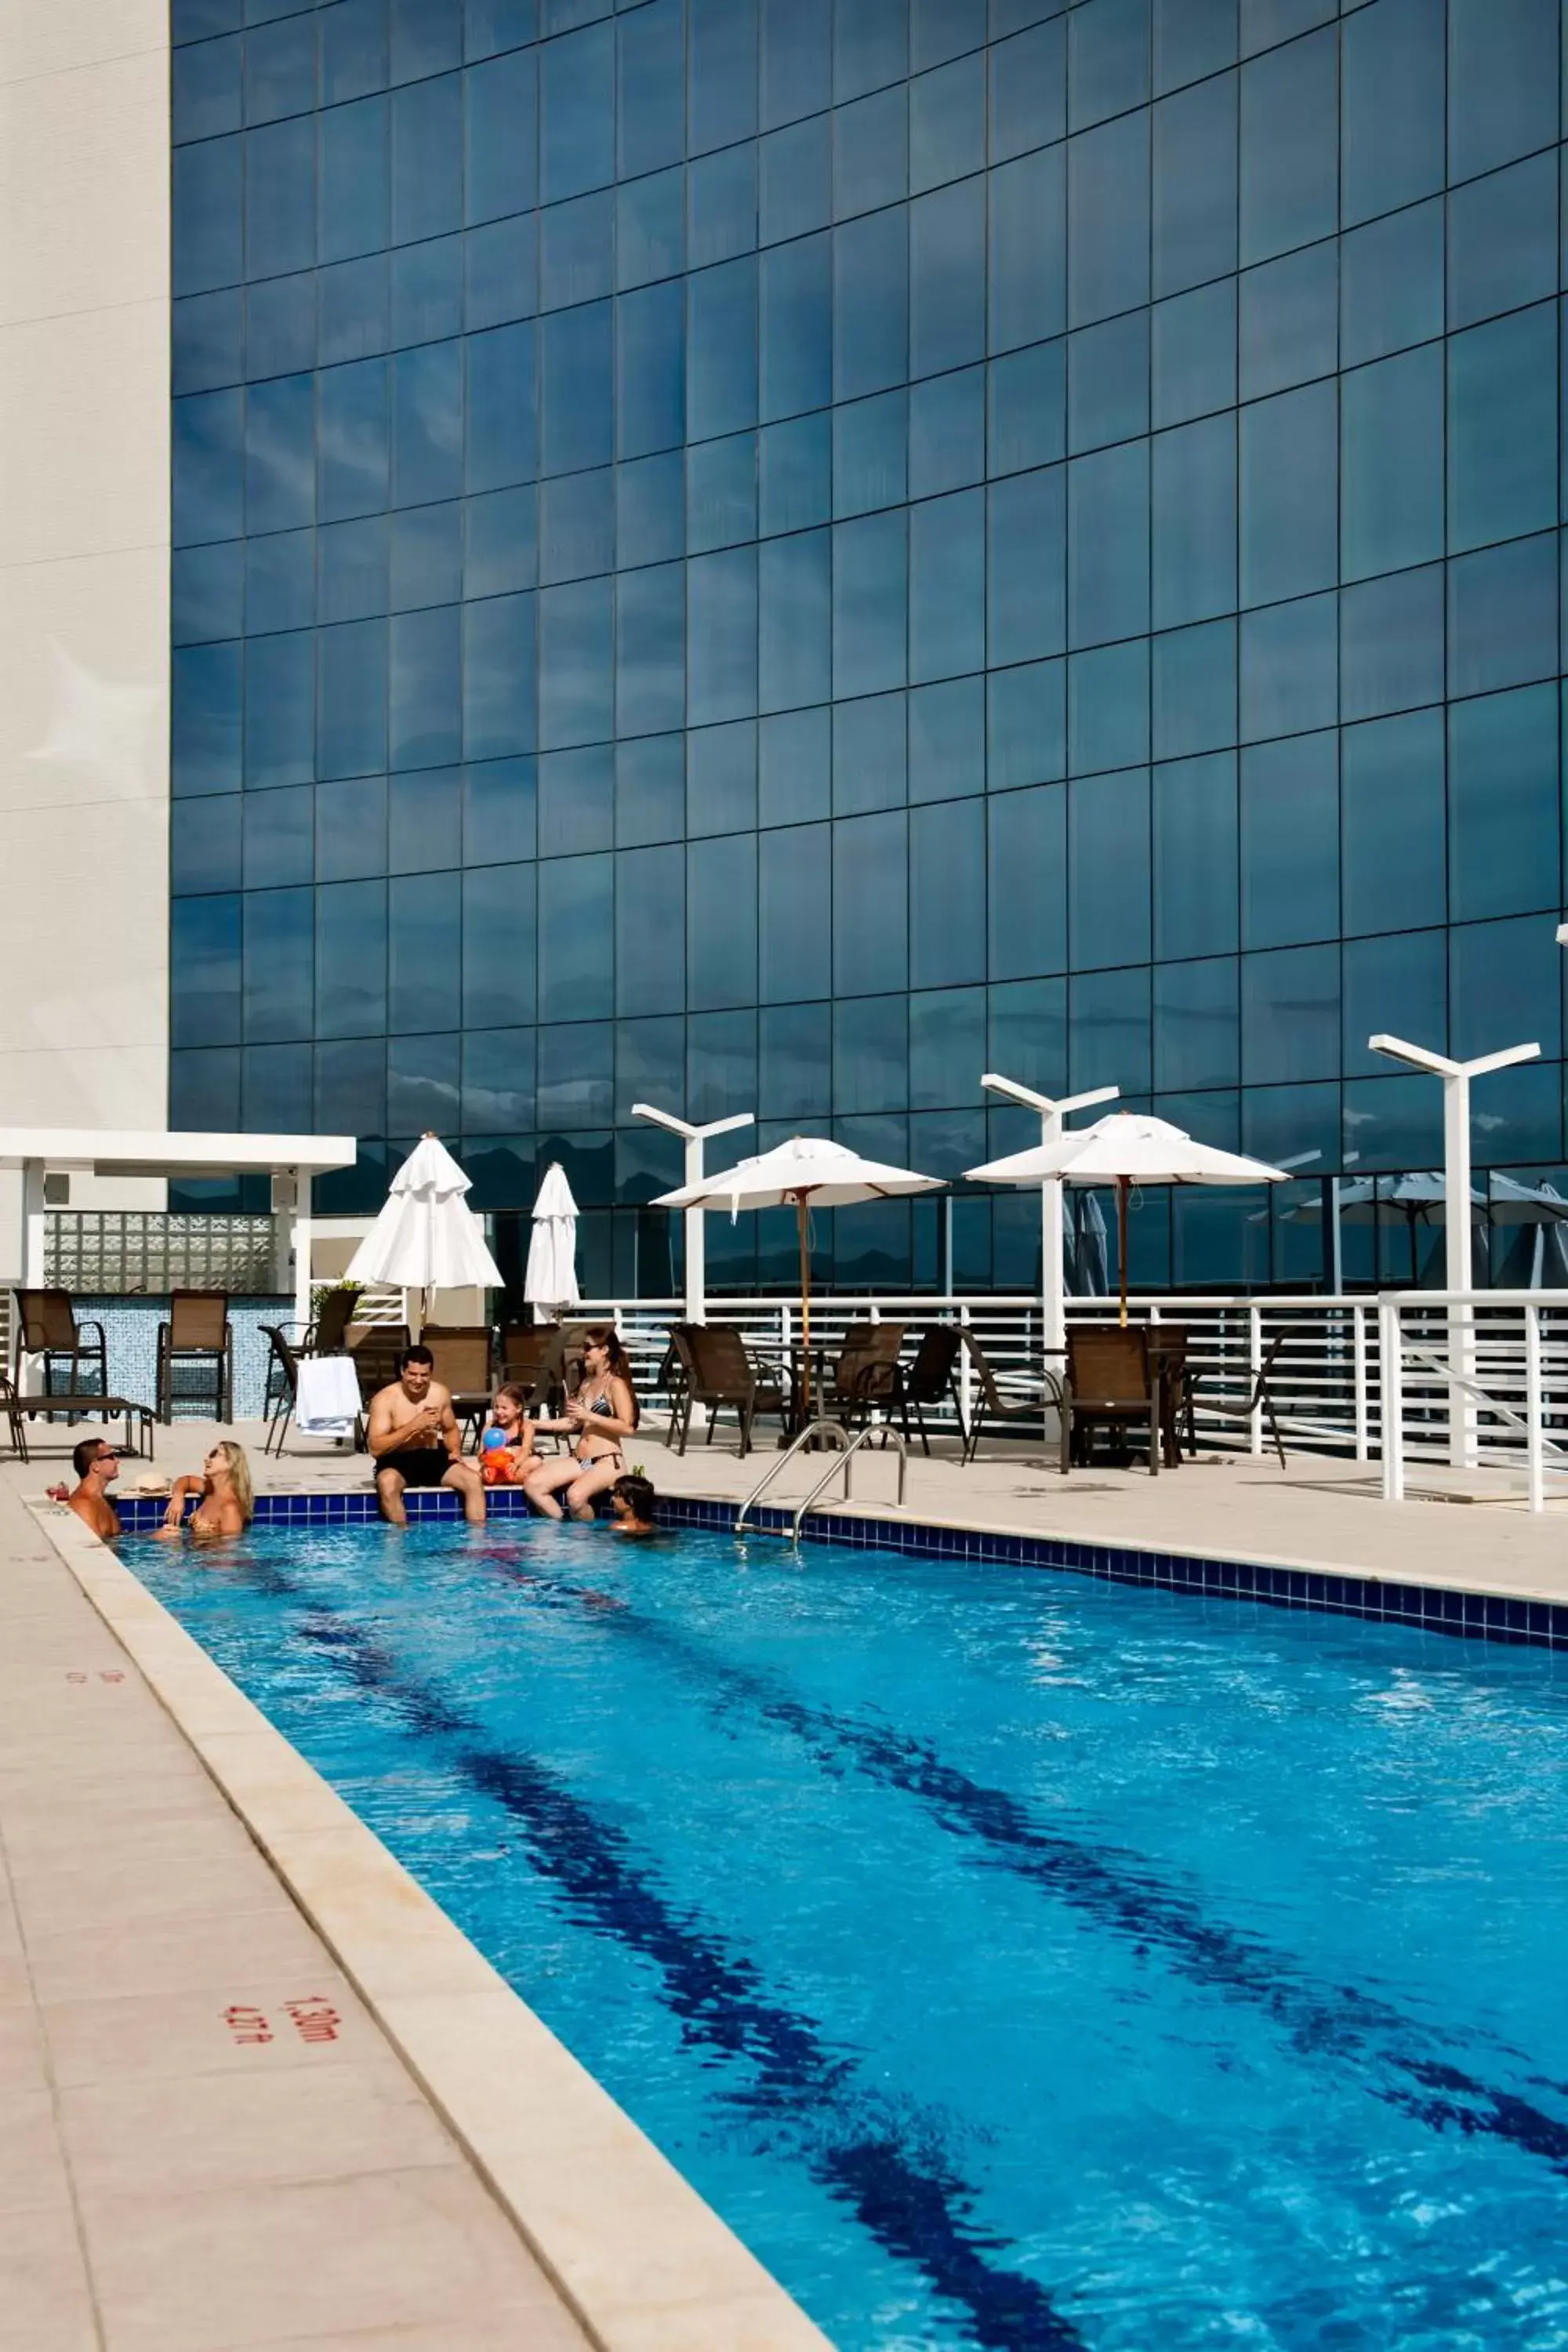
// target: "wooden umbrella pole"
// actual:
[[801, 1216], [1121, 1239]]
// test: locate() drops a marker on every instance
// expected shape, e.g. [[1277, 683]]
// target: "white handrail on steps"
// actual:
[[848, 1447], [855, 1443], [831, 1429]]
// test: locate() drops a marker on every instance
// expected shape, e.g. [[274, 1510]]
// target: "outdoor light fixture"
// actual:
[[1053, 1110], [694, 1138]]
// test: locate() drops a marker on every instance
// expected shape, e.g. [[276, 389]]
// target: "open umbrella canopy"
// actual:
[[1127, 1148], [1124, 1149], [807, 1166], [550, 1279], [1511, 1203], [811, 1173], [426, 1237]]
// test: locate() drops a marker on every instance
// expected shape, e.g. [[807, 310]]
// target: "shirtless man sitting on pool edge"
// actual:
[[415, 1441]]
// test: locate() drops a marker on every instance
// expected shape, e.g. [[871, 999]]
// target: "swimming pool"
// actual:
[[1015, 1960]]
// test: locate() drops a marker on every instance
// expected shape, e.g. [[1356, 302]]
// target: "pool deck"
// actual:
[[215, 2144]]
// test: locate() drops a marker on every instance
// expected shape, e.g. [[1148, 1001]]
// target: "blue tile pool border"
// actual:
[[1433, 1609]]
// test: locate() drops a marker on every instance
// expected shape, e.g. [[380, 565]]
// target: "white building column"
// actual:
[[1053, 1110], [694, 1138]]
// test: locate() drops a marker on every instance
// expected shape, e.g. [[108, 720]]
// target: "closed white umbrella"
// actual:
[[550, 1280], [1127, 1149], [811, 1172], [426, 1237]]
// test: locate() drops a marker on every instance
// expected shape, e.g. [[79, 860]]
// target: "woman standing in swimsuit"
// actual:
[[225, 1504], [599, 1417]]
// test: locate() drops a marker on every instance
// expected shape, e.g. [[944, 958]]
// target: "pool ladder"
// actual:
[[848, 1447]]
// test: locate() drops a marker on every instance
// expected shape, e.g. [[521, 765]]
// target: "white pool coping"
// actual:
[[641, 2259]]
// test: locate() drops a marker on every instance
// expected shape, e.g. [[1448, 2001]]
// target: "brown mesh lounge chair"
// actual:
[[19, 1409], [718, 1372], [991, 1402], [531, 1359], [282, 1394], [376, 1354], [47, 1327], [931, 1379], [1114, 1382], [866, 1374], [464, 1357], [197, 1336], [1261, 1399], [328, 1335]]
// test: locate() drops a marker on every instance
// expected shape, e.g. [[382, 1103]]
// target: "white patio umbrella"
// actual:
[[1418, 1197], [550, 1280], [1124, 1150], [426, 1237], [811, 1173]]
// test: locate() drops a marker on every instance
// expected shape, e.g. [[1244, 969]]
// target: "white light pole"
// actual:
[[1053, 1110], [694, 1138], [1457, 1260]]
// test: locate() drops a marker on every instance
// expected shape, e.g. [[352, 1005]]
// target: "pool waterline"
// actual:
[[623, 1891]]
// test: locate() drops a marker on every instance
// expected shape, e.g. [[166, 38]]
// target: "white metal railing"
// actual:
[[1478, 1380], [1324, 1380]]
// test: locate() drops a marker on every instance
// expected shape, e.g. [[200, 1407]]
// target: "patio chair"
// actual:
[[1113, 1381], [197, 1336], [375, 1355], [717, 1372], [328, 1335], [865, 1374], [18, 1409], [992, 1403], [531, 1359], [47, 1326], [931, 1379], [1261, 1399], [464, 1357], [281, 1394]]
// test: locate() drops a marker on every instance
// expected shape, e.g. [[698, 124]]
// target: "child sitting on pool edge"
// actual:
[[634, 1502], [506, 1449]]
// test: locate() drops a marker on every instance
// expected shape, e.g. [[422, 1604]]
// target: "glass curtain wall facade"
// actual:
[[776, 555]]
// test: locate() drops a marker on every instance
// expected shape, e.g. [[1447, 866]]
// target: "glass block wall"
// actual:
[[776, 555]]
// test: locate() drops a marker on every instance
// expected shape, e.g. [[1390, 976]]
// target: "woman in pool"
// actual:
[[599, 1418], [224, 1503], [505, 1450]]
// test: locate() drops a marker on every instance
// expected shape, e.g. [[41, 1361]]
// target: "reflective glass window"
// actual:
[[1108, 708], [1108, 381], [870, 44], [1026, 895], [577, 525], [795, 486], [206, 341], [204, 90], [650, 510], [1291, 842], [796, 58], [279, 709], [650, 362], [351, 960], [1290, 320], [871, 566], [794, 767], [1107, 219], [722, 778], [871, 754], [1391, 284], [1392, 70], [208, 464], [794, 898], [651, 87], [870, 911], [426, 688], [277, 987], [1502, 82], [1026, 725], [1503, 985], [947, 1045], [1110, 1039], [1193, 354], [500, 708], [351, 699], [1502, 241], [499, 811], [500, 272], [578, 113], [721, 355], [422, 1082], [1290, 1014], [722, 922], [870, 1055], [1108, 847], [650, 228], [1288, 494], [1289, 146], [871, 444], [492, 25], [722, 636], [427, 424], [280, 453], [1195, 691], [1028, 91], [1396, 986], [1503, 804], [947, 122], [502, 406], [576, 404], [870, 303], [353, 445], [498, 969], [1194, 185], [947, 586], [1027, 416], [1391, 470], [794, 1076], [353, 309], [278, 844], [354, 50], [1503, 616], [280, 325], [279, 70], [1193, 521], [427, 291], [204, 961], [208, 593], [871, 153], [1290, 669], [795, 602], [499, 147], [576, 968], [1195, 829], [1394, 802], [577, 800], [1196, 1025], [1503, 428], [204, 847], [206, 201], [576, 664], [722, 72], [1192, 37], [1108, 545], [1107, 59], [947, 740], [576, 251], [280, 197], [947, 432], [351, 829], [205, 727], [650, 930], [797, 326], [1027, 528], [1391, 653], [947, 277], [498, 1074], [1027, 261], [721, 206], [427, 557]]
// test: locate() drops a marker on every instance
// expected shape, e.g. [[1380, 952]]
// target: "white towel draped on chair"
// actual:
[[327, 1404]]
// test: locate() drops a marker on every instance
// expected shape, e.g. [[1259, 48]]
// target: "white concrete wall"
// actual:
[[84, 562]]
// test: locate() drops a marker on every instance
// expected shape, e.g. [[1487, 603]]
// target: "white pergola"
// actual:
[[132, 1151]]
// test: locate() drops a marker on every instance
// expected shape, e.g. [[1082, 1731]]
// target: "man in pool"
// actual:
[[95, 1462], [414, 1441]]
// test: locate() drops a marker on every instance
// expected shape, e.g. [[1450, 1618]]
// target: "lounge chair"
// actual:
[[281, 1396], [718, 1372], [197, 1335], [464, 1357], [1114, 1381], [328, 1335], [19, 1408], [1261, 1399], [47, 1326], [931, 1379], [866, 1372], [989, 1402]]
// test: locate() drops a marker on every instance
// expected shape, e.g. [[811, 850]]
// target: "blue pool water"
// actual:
[[1015, 1960]]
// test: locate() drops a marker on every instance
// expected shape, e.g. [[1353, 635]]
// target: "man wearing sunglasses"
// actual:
[[96, 1463]]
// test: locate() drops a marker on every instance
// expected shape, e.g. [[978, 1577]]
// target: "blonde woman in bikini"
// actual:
[[599, 1418], [225, 1504]]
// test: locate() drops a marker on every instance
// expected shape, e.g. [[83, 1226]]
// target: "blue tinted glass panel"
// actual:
[[1289, 147], [1288, 495], [1195, 856], [1391, 284], [1026, 610], [794, 596], [204, 959], [1390, 634], [794, 762], [947, 277], [1026, 725], [797, 305], [870, 303], [1392, 106], [498, 944], [279, 709], [1195, 198], [871, 917], [870, 563], [425, 951], [1503, 804], [351, 687], [206, 200], [1291, 842], [722, 922], [1108, 545], [1027, 877], [947, 122], [1108, 219], [796, 890], [503, 412], [207, 719], [1502, 82], [1503, 428], [1391, 476], [426, 695], [1108, 849], [278, 981], [280, 198], [1193, 514], [499, 154]]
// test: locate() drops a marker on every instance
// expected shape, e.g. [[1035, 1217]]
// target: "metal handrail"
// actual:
[[855, 1443], [833, 1429]]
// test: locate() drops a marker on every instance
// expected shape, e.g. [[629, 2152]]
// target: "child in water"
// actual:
[[634, 1502]]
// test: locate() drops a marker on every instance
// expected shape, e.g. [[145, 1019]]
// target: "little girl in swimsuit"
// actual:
[[602, 1414], [506, 1449]]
